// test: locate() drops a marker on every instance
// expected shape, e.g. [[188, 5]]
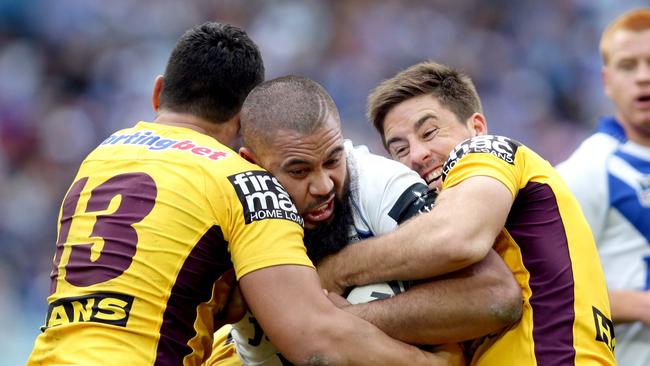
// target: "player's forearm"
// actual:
[[309, 330], [476, 301], [420, 249], [406, 320], [357, 342], [458, 232], [630, 306]]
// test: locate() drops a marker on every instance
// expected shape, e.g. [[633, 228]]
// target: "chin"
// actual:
[[310, 225], [315, 224], [436, 185]]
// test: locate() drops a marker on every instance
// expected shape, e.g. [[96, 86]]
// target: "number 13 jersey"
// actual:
[[155, 216]]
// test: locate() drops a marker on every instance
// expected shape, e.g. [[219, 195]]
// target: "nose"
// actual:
[[420, 155], [321, 184], [643, 76]]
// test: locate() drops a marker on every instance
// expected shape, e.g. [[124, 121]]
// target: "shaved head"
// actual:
[[293, 103]]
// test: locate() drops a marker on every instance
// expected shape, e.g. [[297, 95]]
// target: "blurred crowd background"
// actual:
[[73, 71]]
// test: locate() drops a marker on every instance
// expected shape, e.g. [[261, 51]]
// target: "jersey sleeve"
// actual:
[[416, 199], [488, 155], [264, 227]]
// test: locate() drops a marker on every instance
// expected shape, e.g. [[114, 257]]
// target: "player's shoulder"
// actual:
[[500, 146], [367, 159], [372, 174], [590, 158], [597, 147], [483, 146], [372, 166]]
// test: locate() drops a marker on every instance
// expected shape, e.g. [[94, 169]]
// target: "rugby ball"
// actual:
[[376, 291]]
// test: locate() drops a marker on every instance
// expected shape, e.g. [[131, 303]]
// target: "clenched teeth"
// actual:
[[321, 207], [433, 175]]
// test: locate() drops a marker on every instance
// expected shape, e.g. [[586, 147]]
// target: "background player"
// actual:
[[160, 211], [291, 126], [495, 193], [611, 179]]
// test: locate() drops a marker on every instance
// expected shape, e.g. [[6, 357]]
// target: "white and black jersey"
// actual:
[[383, 193]]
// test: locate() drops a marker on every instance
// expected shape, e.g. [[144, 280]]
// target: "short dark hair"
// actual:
[[210, 71], [290, 102], [453, 90]]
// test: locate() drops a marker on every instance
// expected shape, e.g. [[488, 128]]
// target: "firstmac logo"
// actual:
[[263, 197]]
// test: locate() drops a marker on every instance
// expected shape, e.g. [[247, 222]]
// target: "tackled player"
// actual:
[[291, 126]]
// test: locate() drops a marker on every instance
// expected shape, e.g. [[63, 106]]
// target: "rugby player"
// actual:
[[610, 175], [345, 194], [495, 194], [160, 213]]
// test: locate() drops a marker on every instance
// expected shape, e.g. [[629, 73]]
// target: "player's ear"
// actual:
[[248, 154], [478, 124], [157, 89]]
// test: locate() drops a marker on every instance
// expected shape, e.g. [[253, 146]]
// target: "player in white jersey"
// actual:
[[346, 194], [586, 173], [380, 192], [611, 179], [610, 175]]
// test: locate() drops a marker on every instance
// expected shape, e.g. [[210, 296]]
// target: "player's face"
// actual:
[[420, 133], [312, 168], [627, 82]]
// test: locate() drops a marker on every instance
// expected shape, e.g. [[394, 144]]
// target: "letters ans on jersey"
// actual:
[[107, 308], [263, 197], [499, 146]]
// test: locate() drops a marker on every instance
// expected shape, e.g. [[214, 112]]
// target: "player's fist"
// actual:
[[230, 305]]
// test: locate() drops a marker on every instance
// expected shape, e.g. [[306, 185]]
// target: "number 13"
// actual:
[[138, 191]]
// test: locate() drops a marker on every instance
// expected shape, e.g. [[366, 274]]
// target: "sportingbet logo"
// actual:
[[499, 146], [263, 197], [156, 143]]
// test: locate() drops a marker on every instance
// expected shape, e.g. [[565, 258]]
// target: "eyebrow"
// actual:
[[298, 161], [336, 150], [418, 124]]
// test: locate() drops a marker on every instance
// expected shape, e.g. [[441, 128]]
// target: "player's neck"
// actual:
[[225, 132], [637, 134]]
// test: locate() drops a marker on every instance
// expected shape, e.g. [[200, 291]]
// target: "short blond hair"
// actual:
[[635, 21]]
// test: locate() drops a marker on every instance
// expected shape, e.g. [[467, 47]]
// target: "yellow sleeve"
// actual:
[[264, 227], [479, 157]]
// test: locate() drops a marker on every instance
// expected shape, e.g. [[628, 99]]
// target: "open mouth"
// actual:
[[433, 175], [321, 212], [643, 99]]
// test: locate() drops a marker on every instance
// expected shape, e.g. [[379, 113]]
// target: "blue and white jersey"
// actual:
[[611, 179], [383, 193]]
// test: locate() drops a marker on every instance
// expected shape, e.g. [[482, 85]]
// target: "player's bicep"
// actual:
[[284, 299], [481, 204]]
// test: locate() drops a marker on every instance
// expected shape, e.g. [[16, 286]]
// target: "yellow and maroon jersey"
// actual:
[[154, 217], [549, 247]]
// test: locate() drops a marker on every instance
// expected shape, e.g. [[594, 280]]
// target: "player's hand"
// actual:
[[230, 304], [327, 271], [450, 354], [442, 355], [338, 300]]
